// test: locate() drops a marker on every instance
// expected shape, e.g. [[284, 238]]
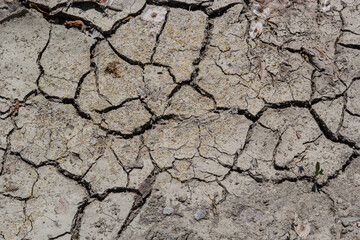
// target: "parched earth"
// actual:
[[179, 119]]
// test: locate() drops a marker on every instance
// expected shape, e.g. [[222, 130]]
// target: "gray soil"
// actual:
[[179, 119]]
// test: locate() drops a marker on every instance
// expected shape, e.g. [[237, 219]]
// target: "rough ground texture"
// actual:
[[179, 119]]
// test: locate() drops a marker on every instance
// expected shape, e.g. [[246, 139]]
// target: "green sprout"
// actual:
[[318, 171]]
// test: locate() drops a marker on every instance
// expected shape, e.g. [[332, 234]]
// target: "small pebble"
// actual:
[[347, 221], [200, 214], [182, 198], [168, 210]]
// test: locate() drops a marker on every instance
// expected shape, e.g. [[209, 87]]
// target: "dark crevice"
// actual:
[[157, 169], [76, 222], [234, 167], [260, 113], [324, 99], [208, 35], [76, 225], [178, 4], [15, 197], [24, 160], [59, 236], [78, 88], [203, 92], [318, 187], [102, 196], [57, 16], [352, 46], [55, 98], [336, 96], [257, 177], [344, 167], [61, 17], [40, 56], [177, 88], [69, 101], [125, 58], [294, 180], [146, 106], [7, 150], [93, 53], [145, 191], [171, 74], [220, 11], [123, 21], [193, 179], [27, 96], [157, 64], [136, 132], [247, 114], [328, 134], [111, 108], [351, 113], [247, 141], [92, 65], [142, 129], [349, 142], [287, 104], [344, 101], [55, 164], [158, 37], [312, 140], [74, 177], [238, 111], [41, 8], [75, 228], [322, 125], [81, 4], [277, 167], [80, 112], [348, 30], [280, 168], [130, 217]]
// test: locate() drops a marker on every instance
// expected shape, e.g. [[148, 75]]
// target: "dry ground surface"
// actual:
[[179, 119]]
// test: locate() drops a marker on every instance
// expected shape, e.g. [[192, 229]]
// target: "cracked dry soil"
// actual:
[[179, 119]]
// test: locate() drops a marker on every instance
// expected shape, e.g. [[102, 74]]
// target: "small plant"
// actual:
[[318, 171]]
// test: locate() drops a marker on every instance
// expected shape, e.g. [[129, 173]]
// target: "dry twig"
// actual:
[[17, 106], [213, 200]]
